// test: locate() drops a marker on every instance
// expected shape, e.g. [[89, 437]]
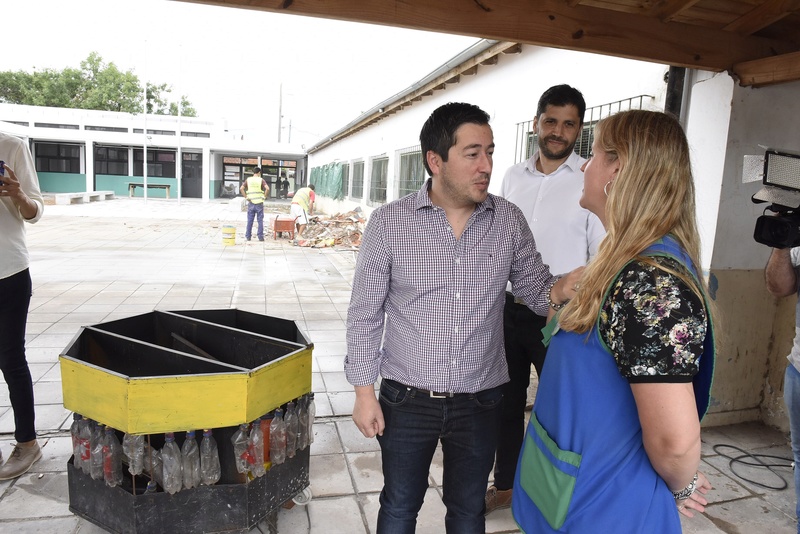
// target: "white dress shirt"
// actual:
[[566, 234]]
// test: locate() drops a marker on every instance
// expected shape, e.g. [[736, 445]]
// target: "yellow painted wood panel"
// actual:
[[278, 383], [176, 403], [94, 393]]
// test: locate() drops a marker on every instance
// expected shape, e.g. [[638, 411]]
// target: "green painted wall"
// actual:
[[62, 182]]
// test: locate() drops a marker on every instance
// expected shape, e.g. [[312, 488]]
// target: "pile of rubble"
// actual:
[[341, 229]]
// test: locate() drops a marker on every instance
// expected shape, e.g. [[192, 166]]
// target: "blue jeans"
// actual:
[[255, 211], [16, 296], [415, 423], [791, 396]]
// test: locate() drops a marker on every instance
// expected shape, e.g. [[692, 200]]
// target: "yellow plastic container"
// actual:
[[228, 235]]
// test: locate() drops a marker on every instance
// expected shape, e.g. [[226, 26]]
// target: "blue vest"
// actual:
[[583, 467]]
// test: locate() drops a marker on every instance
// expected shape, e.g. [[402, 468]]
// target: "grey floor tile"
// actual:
[[330, 364], [62, 525], [753, 514], [326, 440], [36, 496], [353, 440], [48, 393], [336, 381], [336, 516], [366, 470], [320, 336], [329, 475], [342, 402]]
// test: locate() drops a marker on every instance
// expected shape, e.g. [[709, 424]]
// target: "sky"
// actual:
[[233, 64]]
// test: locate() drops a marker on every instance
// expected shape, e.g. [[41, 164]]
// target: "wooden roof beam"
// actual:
[[669, 9], [768, 71], [551, 23], [762, 16]]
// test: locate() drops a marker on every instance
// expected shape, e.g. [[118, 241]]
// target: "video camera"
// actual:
[[781, 178]]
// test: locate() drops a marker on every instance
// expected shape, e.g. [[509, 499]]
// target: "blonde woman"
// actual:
[[614, 439]]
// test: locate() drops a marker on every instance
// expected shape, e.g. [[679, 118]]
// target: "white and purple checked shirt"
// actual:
[[434, 302]]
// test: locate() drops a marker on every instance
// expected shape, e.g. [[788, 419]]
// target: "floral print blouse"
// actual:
[[653, 323]]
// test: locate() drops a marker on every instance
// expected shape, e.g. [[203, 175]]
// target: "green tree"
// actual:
[[95, 85]]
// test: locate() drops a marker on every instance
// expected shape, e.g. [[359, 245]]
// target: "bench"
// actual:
[[132, 187], [80, 198]]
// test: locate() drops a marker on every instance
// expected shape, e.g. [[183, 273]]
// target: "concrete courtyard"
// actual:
[[109, 260]]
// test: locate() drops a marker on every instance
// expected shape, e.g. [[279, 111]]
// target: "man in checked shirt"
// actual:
[[426, 315]]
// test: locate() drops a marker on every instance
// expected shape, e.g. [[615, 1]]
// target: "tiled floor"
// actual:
[[109, 260]]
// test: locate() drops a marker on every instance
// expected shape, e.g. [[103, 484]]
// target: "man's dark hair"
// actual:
[[311, 186], [256, 170], [439, 131], [562, 95]]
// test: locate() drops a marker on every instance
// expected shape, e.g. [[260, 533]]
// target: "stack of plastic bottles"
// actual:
[[267, 441]]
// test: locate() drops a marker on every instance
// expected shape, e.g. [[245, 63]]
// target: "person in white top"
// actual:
[[547, 188], [20, 202]]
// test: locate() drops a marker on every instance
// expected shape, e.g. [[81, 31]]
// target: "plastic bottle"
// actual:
[[96, 458], [171, 460], [265, 423], [302, 423], [210, 470], [133, 449], [112, 458], [73, 432], [152, 487], [153, 465], [291, 429], [312, 413], [255, 449], [277, 439], [85, 438], [239, 441], [190, 456]]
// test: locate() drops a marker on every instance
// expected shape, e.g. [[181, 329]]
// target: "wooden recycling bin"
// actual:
[[187, 370]]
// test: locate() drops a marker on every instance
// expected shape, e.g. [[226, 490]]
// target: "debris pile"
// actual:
[[341, 229]]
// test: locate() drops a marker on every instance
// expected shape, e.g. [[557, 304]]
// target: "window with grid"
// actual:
[[378, 179], [345, 179], [160, 163], [58, 157], [111, 160], [411, 173], [527, 140], [358, 180]]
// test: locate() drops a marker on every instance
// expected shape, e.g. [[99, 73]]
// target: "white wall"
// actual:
[[768, 116], [509, 92]]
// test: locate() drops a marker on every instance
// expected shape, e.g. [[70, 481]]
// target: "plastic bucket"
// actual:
[[228, 235]]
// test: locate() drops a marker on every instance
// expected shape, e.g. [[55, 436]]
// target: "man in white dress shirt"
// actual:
[[546, 188]]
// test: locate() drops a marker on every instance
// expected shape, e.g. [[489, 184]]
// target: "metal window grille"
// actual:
[[345, 179], [358, 180], [527, 140], [411, 173], [378, 179]]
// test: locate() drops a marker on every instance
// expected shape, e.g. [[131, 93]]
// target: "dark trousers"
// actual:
[[523, 343], [15, 297], [255, 211], [415, 424]]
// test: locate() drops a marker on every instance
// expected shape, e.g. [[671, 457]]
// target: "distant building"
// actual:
[[83, 150]]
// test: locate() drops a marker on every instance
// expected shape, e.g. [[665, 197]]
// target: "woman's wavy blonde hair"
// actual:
[[652, 196]]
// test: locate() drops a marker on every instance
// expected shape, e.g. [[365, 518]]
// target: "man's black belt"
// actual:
[[425, 392]]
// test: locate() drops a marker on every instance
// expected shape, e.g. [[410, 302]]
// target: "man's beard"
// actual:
[[546, 152]]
